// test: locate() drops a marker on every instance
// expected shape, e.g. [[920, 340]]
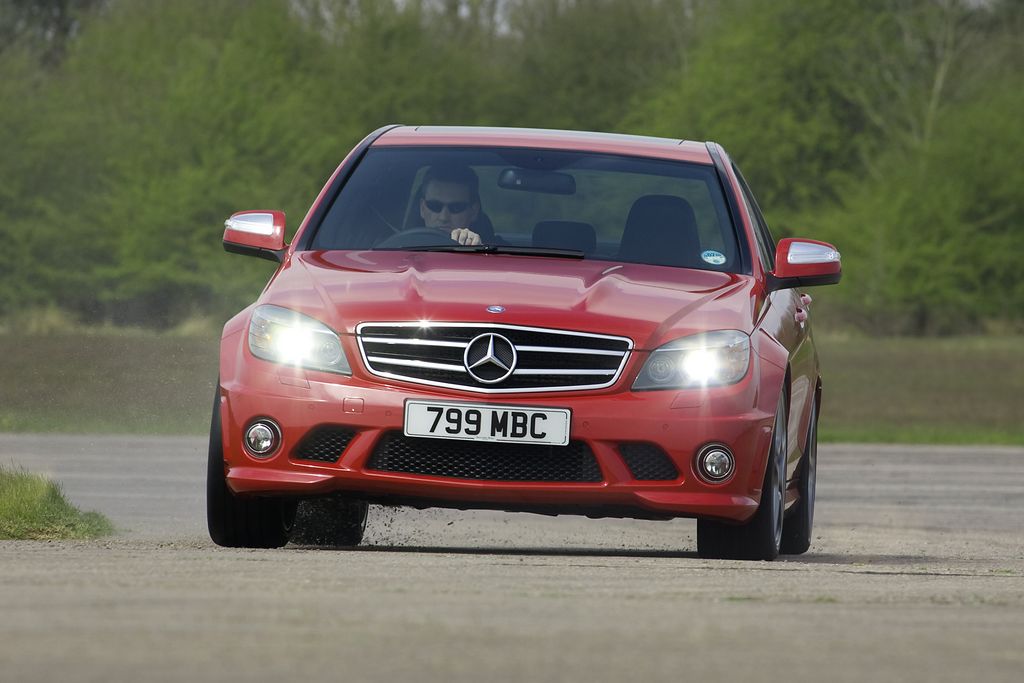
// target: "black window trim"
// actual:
[[762, 232], [317, 218], [746, 258]]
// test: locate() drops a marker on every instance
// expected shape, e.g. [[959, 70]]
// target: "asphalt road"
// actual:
[[916, 574]]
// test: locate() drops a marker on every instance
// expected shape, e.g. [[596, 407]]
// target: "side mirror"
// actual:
[[805, 263], [256, 233]]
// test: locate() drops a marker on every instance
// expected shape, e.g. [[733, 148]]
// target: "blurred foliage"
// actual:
[[131, 129]]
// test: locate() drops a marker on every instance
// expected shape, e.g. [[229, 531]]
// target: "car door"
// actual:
[[789, 325]]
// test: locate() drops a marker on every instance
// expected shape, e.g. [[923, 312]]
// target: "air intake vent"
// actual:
[[324, 444], [648, 462], [485, 461]]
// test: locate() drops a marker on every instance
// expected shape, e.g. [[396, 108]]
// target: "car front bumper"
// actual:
[[680, 423]]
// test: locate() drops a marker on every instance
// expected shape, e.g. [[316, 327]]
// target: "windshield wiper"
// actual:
[[502, 249]]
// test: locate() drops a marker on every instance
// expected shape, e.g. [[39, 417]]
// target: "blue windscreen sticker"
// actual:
[[715, 258]]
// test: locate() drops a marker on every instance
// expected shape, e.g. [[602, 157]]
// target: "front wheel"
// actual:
[[796, 538], [336, 520], [237, 522], [761, 537]]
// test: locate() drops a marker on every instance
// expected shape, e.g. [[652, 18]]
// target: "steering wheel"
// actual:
[[415, 237]]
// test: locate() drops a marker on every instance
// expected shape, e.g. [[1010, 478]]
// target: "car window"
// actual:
[[610, 207]]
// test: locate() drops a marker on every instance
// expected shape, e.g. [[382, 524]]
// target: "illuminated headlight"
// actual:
[[284, 336], [703, 360]]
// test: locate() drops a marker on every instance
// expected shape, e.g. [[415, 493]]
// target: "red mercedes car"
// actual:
[[524, 320]]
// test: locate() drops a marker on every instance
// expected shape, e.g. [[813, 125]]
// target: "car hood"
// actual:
[[649, 304]]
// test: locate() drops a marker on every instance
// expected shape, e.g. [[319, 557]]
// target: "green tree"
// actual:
[[581, 64], [762, 80], [183, 113]]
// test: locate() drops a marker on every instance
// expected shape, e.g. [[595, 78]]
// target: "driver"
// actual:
[[450, 202]]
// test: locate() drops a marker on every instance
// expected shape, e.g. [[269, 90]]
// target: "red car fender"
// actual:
[[774, 369]]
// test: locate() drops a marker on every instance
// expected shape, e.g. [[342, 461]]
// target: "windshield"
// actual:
[[522, 201]]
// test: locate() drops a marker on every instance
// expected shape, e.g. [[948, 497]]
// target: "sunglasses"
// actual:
[[437, 206]]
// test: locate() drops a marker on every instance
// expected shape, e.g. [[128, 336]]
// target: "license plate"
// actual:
[[484, 422]]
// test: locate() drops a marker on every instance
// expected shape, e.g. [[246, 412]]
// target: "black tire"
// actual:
[[796, 535], [336, 520], [761, 537], [237, 522]]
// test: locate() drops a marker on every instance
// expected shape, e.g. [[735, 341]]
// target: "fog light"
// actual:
[[715, 463], [262, 438]]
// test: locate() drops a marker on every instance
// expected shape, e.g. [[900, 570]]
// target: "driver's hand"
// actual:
[[465, 236]]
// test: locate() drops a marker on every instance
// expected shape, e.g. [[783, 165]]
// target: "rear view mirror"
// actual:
[[256, 233], [805, 263], [547, 182]]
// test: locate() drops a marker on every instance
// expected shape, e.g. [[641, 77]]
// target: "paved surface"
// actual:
[[916, 573]]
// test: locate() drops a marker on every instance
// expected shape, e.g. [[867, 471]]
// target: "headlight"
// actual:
[[284, 336], [707, 359]]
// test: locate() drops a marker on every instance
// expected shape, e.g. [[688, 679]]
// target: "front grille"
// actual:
[[546, 360], [486, 461], [324, 444], [647, 462]]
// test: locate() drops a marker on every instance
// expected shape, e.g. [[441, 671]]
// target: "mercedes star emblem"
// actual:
[[490, 358]]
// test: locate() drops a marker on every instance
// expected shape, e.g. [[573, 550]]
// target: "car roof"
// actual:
[[579, 141]]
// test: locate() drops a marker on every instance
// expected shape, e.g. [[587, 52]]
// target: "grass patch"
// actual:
[[34, 508], [900, 390], [131, 381], [934, 391]]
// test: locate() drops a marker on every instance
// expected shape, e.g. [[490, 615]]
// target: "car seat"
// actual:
[[661, 230], [483, 227]]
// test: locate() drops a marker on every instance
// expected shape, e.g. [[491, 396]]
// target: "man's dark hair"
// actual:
[[463, 175]]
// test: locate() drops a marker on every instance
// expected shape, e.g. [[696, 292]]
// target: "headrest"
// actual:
[[661, 230]]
